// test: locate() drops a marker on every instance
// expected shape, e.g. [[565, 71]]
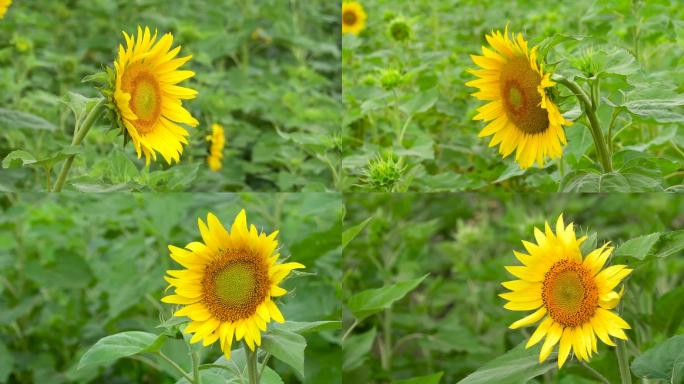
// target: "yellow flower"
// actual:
[[353, 17], [520, 114], [217, 140], [4, 4], [570, 293], [147, 99], [229, 283]]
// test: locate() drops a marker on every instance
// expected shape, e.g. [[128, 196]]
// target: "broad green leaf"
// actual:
[[659, 244], [665, 361], [429, 379], [79, 104], [371, 301], [668, 311], [287, 347], [10, 119], [661, 105], [516, 366], [70, 271], [124, 344], [617, 61], [554, 40], [17, 159], [356, 348], [350, 233], [420, 102], [6, 362]]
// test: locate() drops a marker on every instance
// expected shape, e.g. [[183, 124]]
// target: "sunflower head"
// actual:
[[217, 141], [571, 294], [384, 172], [353, 17], [229, 283], [4, 4], [520, 114], [144, 97], [400, 29]]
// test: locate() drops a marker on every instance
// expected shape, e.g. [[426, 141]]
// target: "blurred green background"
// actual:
[[454, 322], [75, 268], [268, 71], [429, 100]]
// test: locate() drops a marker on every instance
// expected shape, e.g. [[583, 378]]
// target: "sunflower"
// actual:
[[4, 5], [146, 97], [353, 17], [229, 283], [570, 293], [217, 140], [520, 114]]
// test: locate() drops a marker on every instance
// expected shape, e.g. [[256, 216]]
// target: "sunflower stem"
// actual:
[[196, 378], [594, 125], [176, 366], [80, 132], [623, 363], [251, 364]]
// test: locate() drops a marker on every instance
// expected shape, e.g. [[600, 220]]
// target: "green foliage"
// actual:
[[454, 321], [268, 71], [82, 277], [625, 54], [664, 361]]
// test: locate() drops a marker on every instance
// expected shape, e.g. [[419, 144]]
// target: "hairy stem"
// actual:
[[621, 352], [251, 364], [197, 379], [79, 134], [175, 366], [594, 125]]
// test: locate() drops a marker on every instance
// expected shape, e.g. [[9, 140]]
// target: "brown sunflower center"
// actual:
[[349, 17], [235, 283], [569, 293], [146, 96], [521, 100]]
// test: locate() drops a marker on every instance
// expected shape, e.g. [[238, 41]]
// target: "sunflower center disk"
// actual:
[[521, 100], [234, 285], [569, 293], [145, 97], [349, 17]]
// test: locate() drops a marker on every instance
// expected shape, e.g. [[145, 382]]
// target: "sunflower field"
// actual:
[[76, 270], [571, 96], [267, 73], [350, 191], [424, 300]]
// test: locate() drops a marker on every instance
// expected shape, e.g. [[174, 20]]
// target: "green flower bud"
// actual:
[[383, 173]]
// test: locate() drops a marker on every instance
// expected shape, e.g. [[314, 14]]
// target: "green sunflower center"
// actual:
[[521, 100], [146, 96], [235, 283], [349, 17], [569, 293]]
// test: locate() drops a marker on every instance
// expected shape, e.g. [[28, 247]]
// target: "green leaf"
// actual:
[[665, 361], [617, 61], [6, 363], [659, 244], [18, 159], [287, 347], [307, 327], [70, 271], [372, 301], [429, 379], [350, 233], [554, 40], [518, 365], [10, 119], [668, 311], [124, 344], [79, 104], [421, 102], [356, 348]]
